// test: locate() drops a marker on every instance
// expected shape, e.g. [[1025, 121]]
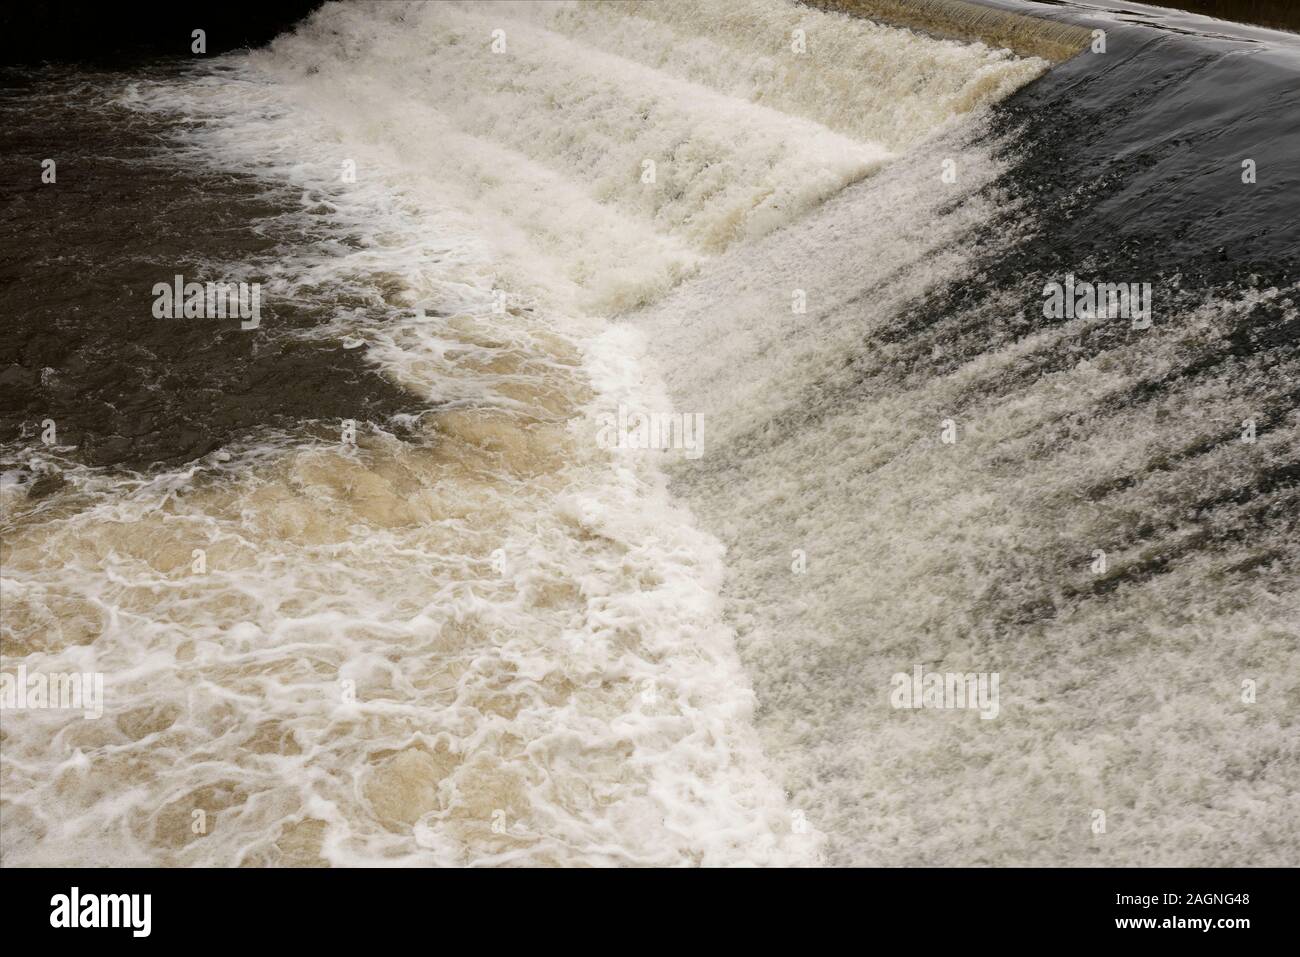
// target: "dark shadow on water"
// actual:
[[78, 262], [1279, 14]]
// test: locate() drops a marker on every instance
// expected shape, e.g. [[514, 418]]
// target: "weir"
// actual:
[[496, 615], [960, 20], [924, 307]]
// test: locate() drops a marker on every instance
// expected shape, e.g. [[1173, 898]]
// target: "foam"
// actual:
[[1121, 693], [585, 705], [1030, 36]]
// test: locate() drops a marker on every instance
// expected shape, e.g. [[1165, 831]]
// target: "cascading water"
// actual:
[[473, 634]]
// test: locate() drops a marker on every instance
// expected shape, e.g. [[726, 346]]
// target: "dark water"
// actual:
[[89, 31], [1131, 163], [79, 260], [1279, 14]]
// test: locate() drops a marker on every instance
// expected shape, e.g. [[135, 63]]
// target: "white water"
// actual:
[[826, 438], [918, 552], [586, 704]]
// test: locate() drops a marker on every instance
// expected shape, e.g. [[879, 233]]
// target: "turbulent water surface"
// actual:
[[474, 634]]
